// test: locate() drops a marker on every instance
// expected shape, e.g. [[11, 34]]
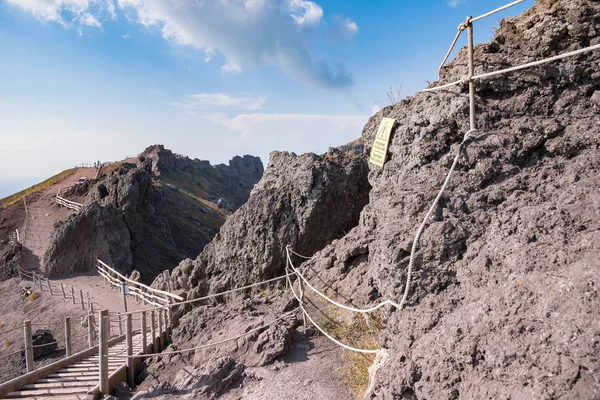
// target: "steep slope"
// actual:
[[504, 301]]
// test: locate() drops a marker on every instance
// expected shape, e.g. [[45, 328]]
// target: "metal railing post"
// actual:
[[144, 333], [49, 287], [90, 319], [129, 339], [73, 294], [471, 74], [81, 297], [28, 346], [68, 349], [155, 348], [161, 341], [62, 286], [120, 326], [103, 352]]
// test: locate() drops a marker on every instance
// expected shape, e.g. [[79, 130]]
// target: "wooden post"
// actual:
[[90, 304], [28, 347], [103, 351], [155, 348], [49, 287], [120, 326], [129, 339], [73, 294], [90, 319], [68, 349], [19, 272], [143, 331], [63, 291], [161, 341], [81, 297]]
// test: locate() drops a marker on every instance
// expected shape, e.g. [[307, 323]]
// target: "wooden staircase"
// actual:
[[76, 380]]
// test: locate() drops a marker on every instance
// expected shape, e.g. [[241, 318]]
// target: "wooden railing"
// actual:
[[68, 203], [145, 293]]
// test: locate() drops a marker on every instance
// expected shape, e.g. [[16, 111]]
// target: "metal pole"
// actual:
[[120, 326], [155, 348], [73, 294], [161, 341], [129, 339], [63, 291], [90, 330], [144, 333], [49, 287], [125, 301], [471, 74], [81, 297], [28, 347], [103, 351], [68, 349]]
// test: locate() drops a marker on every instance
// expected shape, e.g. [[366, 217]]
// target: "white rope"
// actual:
[[10, 354], [327, 335], [353, 309], [213, 343], [431, 210]]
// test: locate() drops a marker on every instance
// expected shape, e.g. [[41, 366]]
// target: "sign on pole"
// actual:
[[382, 139], [124, 289]]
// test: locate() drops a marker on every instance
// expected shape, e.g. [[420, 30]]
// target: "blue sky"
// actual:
[[83, 80]]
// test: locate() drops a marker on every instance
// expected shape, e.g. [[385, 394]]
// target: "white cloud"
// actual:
[[454, 3], [376, 108], [67, 12], [203, 101], [244, 32], [126, 36], [342, 29]]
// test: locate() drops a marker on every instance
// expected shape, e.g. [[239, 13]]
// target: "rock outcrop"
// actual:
[[304, 201], [505, 290], [149, 216]]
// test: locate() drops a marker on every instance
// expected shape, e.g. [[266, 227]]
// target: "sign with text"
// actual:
[[124, 289], [382, 139]]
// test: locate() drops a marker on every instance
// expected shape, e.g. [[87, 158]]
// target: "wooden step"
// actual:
[[48, 392], [79, 384]]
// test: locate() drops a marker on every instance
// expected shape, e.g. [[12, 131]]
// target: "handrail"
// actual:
[[470, 20], [137, 285]]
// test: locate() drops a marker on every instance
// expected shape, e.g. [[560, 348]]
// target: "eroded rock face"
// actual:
[[505, 298], [117, 225], [303, 201], [10, 261]]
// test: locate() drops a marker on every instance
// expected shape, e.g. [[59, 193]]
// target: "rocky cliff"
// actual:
[[135, 218], [504, 301]]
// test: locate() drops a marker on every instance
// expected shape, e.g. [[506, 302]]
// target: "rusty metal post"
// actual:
[[144, 332], [155, 348], [471, 74]]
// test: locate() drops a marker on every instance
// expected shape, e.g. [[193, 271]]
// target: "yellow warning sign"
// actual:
[[382, 139]]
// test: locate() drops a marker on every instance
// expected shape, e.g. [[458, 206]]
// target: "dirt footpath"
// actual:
[[42, 214]]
